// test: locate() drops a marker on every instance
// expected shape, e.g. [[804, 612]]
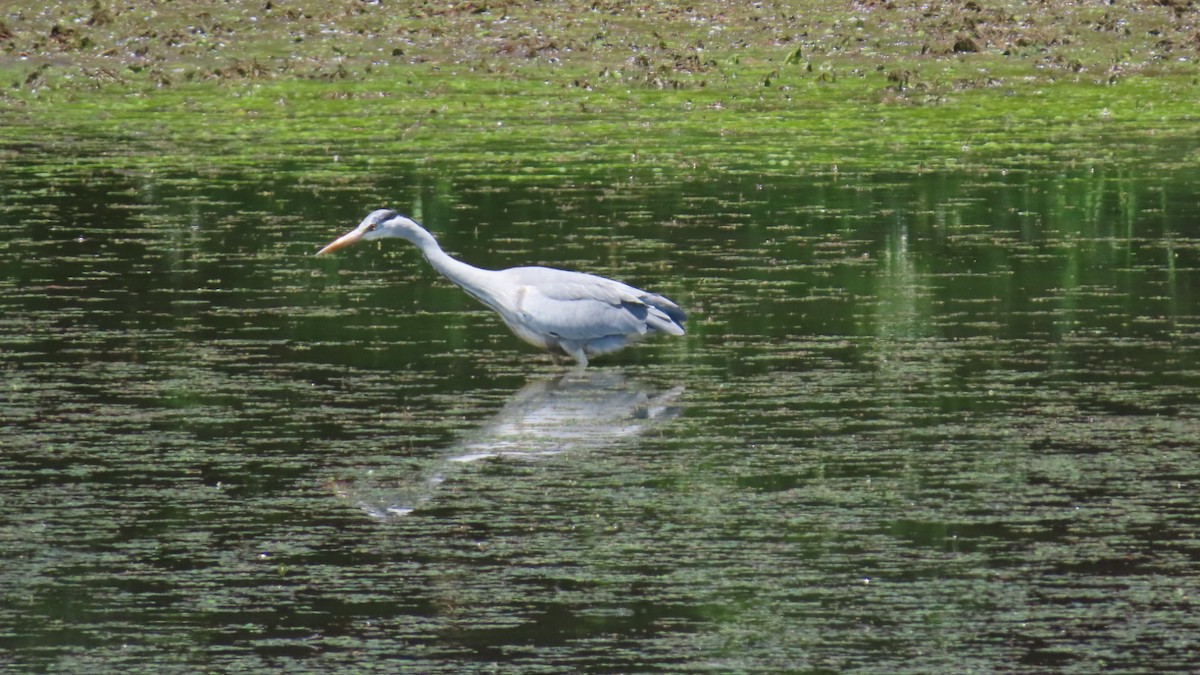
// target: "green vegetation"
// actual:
[[824, 86]]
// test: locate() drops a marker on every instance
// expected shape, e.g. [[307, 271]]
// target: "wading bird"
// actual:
[[565, 313]]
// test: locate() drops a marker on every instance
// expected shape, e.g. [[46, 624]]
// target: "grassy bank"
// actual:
[[950, 81], [893, 49]]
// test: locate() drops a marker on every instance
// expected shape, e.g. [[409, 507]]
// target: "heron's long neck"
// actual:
[[471, 279]]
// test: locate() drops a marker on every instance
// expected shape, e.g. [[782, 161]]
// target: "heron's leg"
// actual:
[[576, 352]]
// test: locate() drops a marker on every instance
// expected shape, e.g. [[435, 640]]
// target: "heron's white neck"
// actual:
[[471, 279]]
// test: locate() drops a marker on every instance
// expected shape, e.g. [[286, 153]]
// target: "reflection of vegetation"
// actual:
[[900, 291]]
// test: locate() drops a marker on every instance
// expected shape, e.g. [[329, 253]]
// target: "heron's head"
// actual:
[[379, 224]]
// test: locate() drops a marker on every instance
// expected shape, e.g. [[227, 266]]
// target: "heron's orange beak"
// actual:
[[341, 242]]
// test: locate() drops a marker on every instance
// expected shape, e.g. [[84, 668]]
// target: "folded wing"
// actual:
[[583, 307]]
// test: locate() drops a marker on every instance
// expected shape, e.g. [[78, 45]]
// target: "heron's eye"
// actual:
[[372, 226]]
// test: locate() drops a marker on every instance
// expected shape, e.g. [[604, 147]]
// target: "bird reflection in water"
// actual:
[[580, 411]]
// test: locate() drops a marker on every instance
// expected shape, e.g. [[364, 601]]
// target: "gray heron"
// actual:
[[565, 313]]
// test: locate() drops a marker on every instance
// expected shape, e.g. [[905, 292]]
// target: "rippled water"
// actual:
[[927, 422]]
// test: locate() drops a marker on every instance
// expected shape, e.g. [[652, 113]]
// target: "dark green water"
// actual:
[[922, 422]]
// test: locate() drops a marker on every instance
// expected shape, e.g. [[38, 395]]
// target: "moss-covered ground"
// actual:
[[821, 83]]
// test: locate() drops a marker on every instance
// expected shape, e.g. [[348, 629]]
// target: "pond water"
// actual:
[[922, 421]]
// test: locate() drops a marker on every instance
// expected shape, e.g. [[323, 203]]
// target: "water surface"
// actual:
[[923, 421]]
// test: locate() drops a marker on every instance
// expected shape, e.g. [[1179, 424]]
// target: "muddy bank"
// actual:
[[901, 48]]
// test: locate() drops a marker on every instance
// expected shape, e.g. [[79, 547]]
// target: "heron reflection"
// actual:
[[580, 411]]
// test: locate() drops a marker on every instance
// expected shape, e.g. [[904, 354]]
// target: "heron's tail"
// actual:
[[664, 316]]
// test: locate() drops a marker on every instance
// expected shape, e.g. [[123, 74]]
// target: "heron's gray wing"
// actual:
[[578, 314], [665, 315], [602, 305], [565, 285]]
